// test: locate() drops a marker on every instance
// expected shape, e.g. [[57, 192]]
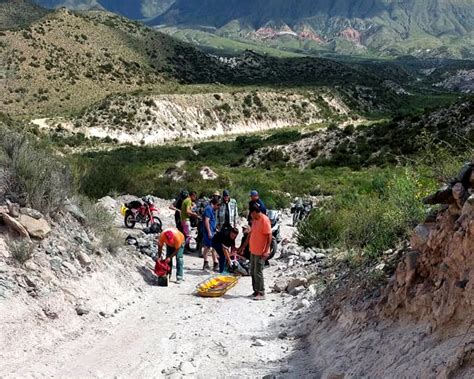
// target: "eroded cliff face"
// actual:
[[435, 281], [157, 119]]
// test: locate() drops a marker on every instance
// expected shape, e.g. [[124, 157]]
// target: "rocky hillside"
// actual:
[[132, 9], [417, 27], [149, 120], [379, 143], [19, 13]]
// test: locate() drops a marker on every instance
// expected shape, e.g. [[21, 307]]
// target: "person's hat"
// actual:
[[216, 193], [253, 193], [169, 236], [225, 193]]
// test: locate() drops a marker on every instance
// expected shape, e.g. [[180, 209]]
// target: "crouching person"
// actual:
[[224, 244], [174, 241]]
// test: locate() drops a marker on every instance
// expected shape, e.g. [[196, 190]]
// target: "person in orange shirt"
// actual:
[[260, 240], [174, 241]]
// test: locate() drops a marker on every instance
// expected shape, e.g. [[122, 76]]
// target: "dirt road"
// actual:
[[169, 331]]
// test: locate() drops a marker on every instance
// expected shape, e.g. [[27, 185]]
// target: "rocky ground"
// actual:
[[322, 318]]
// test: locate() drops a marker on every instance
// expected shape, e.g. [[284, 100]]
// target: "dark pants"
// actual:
[[179, 261], [222, 258], [256, 272]]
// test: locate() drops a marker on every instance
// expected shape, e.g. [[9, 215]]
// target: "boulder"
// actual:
[[280, 285], [84, 259], [13, 209], [305, 257], [14, 226], [108, 203], [31, 212], [75, 211], [36, 228], [304, 303], [187, 368], [420, 236], [208, 174], [296, 282]]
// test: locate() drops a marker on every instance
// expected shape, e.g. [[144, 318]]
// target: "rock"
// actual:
[[279, 285], [187, 368], [4, 251], [84, 259], [142, 242], [296, 291], [15, 226], [420, 236], [56, 263], [108, 203], [305, 257], [13, 209], [208, 174], [31, 266], [82, 310], [32, 213], [75, 211], [173, 336], [258, 343], [380, 266], [296, 282], [282, 335], [36, 228], [313, 290], [70, 267], [304, 303], [320, 256], [50, 314]]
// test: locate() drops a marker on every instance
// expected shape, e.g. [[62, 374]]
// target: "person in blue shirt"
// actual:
[[210, 224]]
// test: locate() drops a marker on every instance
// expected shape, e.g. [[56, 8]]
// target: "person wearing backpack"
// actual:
[[176, 207]]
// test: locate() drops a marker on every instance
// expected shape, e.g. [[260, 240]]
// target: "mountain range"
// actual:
[[134, 9], [380, 27]]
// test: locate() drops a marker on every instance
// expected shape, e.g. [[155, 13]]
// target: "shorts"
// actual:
[[206, 241]]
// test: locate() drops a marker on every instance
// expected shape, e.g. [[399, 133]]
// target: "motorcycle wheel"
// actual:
[[129, 220], [296, 217], [156, 220]]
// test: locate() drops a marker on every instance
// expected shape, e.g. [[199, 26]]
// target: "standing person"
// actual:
[[260, 241], [224, 244], [227, 213], [209, 221], [255, 198], [174, 241], [187, 213], [176, 207]]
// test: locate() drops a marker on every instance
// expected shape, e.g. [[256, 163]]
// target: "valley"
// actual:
[[365, 108]]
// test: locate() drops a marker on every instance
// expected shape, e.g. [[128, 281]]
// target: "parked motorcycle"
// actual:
[[142, 211], [301, 210]]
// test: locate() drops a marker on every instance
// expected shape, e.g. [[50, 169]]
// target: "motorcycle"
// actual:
[[142, 211], [301, 210]]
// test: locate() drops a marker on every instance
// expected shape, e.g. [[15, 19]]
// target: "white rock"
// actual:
[[258, 343], [84, 259], [305, 257], [70, 267], [296, 282], [187, 368], [320, 256]]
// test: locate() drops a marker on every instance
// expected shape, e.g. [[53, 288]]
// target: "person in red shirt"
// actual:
[[174, 240], [260, 241]]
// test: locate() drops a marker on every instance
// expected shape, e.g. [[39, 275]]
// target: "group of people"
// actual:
[[217, 222]]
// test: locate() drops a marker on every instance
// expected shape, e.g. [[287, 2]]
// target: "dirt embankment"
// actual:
[[157, 119]]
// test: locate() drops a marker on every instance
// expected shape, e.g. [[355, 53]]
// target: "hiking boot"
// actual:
[[259, 296], [216, 267], [206, 266], [255, 293], [179, 280]]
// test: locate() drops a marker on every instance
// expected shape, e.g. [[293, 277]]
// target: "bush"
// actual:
[[369, 221], [21, 250], [37, 177]]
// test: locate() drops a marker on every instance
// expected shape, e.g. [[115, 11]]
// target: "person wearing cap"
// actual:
[[260, 241], [187, 213], [227, 213], [255, 198], [224, 244], [209, 223], [173, 239]]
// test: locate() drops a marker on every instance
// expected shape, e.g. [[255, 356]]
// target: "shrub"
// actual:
[[37, 176], [21, 250]]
